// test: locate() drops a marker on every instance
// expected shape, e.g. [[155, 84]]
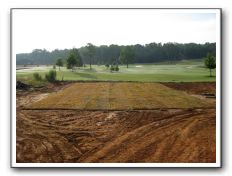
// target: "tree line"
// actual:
[[118, 54]]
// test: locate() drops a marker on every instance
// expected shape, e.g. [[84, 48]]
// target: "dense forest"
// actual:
[[149, 53]]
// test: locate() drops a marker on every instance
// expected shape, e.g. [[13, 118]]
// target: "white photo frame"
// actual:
[[218, 162]]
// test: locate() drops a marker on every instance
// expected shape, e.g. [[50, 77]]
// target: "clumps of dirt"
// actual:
[[27, 96], [110, 116], [184, 136]]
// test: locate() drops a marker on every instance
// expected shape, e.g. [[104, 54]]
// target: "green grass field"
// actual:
[[182, 71]]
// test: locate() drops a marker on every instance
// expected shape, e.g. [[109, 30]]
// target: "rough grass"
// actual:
[[119, 96]]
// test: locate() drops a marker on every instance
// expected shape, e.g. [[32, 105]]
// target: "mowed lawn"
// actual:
[[181, 71], [119, 96]]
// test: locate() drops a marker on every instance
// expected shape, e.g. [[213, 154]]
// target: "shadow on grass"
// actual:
[[86, 75], [213, 76], [89, 70]]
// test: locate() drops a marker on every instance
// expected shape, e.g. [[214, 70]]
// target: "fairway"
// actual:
[[179, 71], [119, 96]]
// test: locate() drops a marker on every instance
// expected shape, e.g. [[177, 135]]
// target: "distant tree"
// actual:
[[74, 59], [127, 55], [116, 68], [113, 53], [59, 63], [78, 57], [107, 66], [91, 50], [71, 61], [111, 68], [147, 53], [210, 62]]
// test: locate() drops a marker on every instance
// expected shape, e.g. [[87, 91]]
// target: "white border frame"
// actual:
[[218, 12]]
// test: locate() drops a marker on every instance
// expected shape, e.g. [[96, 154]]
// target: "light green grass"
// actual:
[[181, 71]]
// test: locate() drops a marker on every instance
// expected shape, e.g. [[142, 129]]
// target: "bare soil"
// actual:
[[194, 87], [167, 135]]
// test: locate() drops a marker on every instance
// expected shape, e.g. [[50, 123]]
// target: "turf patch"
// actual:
[[119, 96]]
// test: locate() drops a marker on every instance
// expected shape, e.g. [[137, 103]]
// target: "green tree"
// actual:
[[107, 66], [71, 61], [111, 68], [147, 53], [210, 62], [59, 63], [91, 50], [74, 59], [127, 55], [116, 68], [51, 76], [78, 57]]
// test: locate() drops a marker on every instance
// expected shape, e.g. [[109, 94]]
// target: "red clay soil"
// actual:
[[169, 135]]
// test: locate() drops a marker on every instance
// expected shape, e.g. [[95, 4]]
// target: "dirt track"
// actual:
[[169, 135]]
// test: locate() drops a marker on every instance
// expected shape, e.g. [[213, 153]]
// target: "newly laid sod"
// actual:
[[119, 96]]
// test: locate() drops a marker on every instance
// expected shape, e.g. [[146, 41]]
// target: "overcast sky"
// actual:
[[59, 29]]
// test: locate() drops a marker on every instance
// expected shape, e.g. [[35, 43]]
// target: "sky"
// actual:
[[60, 29]]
